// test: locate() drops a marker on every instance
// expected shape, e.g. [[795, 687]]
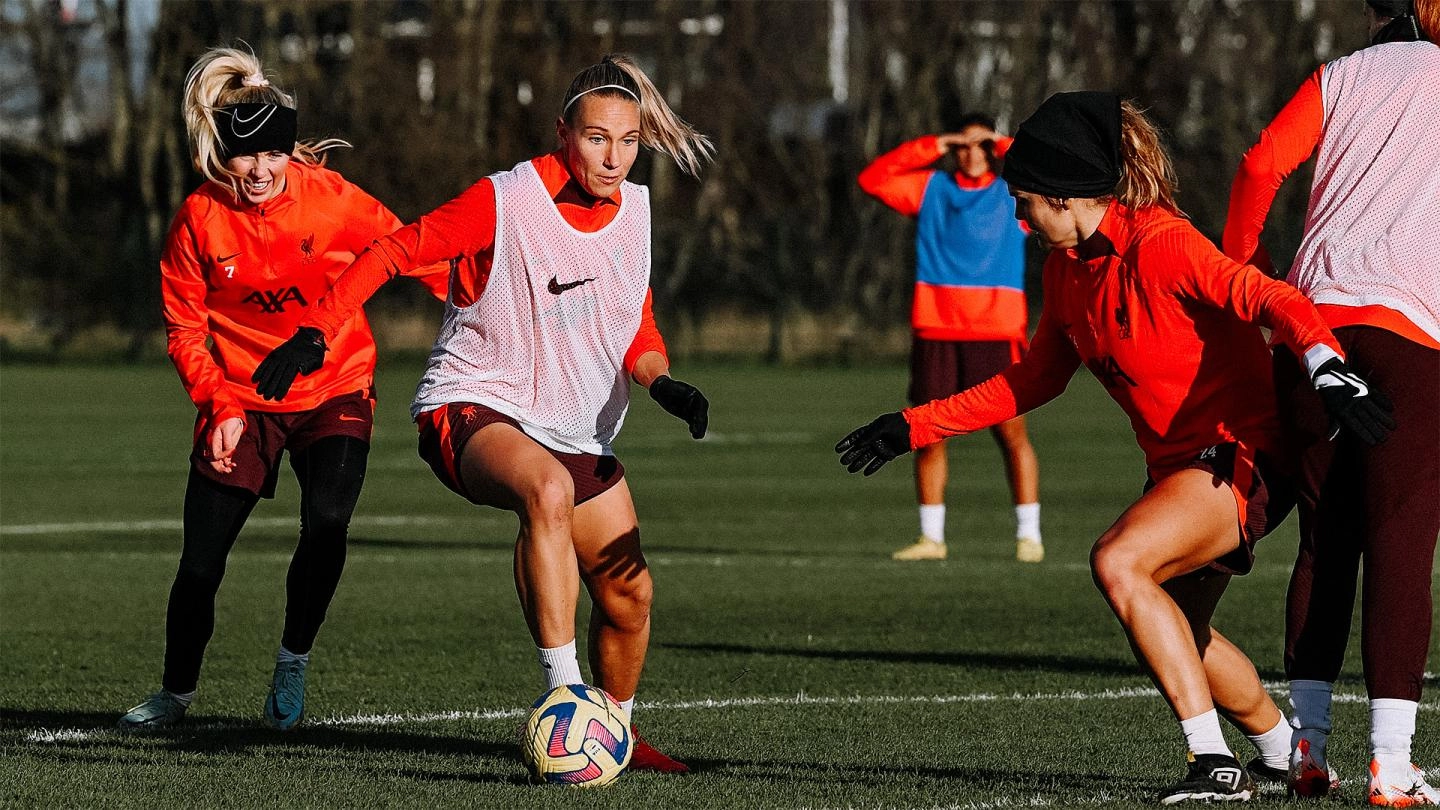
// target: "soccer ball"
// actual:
[[576, 735]]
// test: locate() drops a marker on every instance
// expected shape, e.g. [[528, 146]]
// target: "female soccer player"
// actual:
[[1370, 261], [249, 250], [1169, 326], [547, 323], [969, 314]]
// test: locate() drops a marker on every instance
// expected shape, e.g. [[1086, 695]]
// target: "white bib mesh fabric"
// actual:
[[1372, 232], [546, 342]]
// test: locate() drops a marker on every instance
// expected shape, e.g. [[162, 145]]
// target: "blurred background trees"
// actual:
[[774, 252]]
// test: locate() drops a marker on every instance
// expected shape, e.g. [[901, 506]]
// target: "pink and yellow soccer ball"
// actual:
[[578, 736]]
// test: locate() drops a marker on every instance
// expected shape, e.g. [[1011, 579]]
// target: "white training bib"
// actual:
[[546, 342], [1372, 231]]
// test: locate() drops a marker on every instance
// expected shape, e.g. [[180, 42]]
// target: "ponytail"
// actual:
[[1147, 177], [617, 76], [222, 77]]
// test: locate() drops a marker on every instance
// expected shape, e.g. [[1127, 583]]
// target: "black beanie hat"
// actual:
[[1069, 147]]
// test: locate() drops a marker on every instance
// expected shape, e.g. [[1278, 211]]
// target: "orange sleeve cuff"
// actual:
[[647, 337], [352, 289]]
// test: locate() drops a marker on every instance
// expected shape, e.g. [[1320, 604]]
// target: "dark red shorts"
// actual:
[[1264, 496], [445, 430], [267, 435], [941, 368]]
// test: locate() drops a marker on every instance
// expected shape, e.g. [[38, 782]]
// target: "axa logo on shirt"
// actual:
[[273, 301], [1109, 372]]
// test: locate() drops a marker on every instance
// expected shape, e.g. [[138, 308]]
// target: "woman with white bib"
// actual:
[[547, 323]]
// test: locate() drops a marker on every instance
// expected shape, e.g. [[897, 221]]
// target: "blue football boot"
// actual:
[[285, 704]]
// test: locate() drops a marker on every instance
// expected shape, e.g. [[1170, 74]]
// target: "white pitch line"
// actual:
[[64, 735], [169, 524]]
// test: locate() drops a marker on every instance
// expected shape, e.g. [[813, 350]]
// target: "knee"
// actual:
[[199, 576], [549, 503], [325, 518], [1114, 570], [626, 601]]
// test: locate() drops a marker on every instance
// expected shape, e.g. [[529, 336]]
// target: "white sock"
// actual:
[[1274, 745], [932, 521], [1392, 725], [560, 665], [285, 657], [1310, 715], [1027, 521], [629, 706], [183, 699], [1203, 736]]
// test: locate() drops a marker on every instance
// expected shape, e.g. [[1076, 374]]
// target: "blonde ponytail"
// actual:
[[616, 75], [1147, 177], [225, 76]]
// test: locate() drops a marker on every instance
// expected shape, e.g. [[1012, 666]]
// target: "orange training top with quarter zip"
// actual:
[[242, 277], [1167, 323], [463, 231]]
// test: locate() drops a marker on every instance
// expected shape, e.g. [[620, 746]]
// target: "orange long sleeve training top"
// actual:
[[237, 279], [1167, 323]]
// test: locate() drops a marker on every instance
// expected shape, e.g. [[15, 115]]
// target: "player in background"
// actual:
[[252, 248], [548, 322], [1370, 260], [969, 316], [1169, 326]]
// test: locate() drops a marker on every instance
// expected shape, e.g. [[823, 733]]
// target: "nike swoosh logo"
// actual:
[[344, 418], [223, 259], [556, 287]]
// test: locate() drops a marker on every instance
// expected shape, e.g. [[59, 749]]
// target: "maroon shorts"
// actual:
[[1264, 496], [267, 435], [941, 368], [445, 430]]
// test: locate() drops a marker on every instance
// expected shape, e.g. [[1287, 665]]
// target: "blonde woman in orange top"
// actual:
[[249, 252]]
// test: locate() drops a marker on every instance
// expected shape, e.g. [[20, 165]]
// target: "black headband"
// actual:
[[248, 129], [1069, 147]]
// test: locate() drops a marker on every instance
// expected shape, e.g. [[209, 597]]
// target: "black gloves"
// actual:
[[870, 447], [682, 400], [301, 354], [1352, 404]]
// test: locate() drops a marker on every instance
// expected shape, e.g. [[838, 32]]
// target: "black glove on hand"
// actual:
[[303, 353], [870, 447], [682, 400], [1352, 404]]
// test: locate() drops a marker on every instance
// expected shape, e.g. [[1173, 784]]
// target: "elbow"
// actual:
[[871, 182]]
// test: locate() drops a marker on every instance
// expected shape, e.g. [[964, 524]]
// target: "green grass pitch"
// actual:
[[792, 663]]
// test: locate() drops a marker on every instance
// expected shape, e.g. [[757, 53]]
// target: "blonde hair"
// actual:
[[219, 78], [1147, 176], [617, 76]]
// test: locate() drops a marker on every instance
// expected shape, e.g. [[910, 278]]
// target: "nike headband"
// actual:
[[249, 129], [627, 91]]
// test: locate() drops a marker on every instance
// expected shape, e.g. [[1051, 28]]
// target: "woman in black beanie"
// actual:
[[1171, 328]]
